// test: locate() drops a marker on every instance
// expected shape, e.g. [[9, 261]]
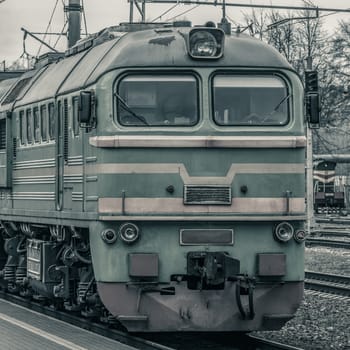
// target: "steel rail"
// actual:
[[330, 232], [340, 221], [265, 344], [327, 243], [327, 277], [328, 283]]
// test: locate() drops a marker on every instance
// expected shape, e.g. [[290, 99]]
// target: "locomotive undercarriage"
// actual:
[[212, 296], [51, 264]]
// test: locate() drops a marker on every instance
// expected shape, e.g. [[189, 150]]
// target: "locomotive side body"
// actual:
[[186, 181]]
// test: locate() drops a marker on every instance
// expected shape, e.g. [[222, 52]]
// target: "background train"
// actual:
[[156, 173], [329, 197]]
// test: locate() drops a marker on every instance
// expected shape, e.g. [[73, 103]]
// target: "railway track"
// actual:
[[264, 344], [221, 341], [330, 232], [172, 341], [332, 220], [327, 243], [328, 283]]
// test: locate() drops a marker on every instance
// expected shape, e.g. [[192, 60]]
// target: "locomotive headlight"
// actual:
[[203, 44], [284, 232], [300, 236], [206, 43], [129, 233]]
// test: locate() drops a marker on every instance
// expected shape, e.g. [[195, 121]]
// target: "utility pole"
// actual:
[[225, 25], [309, 152], [74, 21], [309, 160]]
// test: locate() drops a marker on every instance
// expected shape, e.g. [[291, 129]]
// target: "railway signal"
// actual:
[[311, 81]]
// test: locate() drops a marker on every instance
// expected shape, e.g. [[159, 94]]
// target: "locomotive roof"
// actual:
[[157, 47], [5, 85]]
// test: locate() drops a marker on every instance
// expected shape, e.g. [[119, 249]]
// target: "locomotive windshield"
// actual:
[[250, 100], [163, 100]]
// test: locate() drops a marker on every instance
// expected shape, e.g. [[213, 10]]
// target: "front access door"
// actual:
[[59, 157]]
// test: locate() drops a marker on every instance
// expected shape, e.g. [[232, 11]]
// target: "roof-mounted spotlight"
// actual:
[[206, 43]]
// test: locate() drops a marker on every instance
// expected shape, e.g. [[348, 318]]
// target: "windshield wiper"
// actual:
[[129, 110], [280, 103]]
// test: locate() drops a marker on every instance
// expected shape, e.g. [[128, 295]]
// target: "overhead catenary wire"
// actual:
[[164, 13], [231, 4], [215, 3], [62, 32], [48, 26], [182, 13]]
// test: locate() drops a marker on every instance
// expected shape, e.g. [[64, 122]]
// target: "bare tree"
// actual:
[[338, 73], [295, 36], [256, 21], [283, 36]]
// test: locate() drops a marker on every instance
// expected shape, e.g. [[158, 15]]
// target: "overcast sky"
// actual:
[[34, 15]]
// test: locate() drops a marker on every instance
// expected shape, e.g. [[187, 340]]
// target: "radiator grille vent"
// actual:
[[3, 134], [207, 194], [14, 140]]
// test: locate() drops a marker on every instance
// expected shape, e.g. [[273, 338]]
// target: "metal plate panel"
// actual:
[[273, 264], [143, 265], [206, 236]]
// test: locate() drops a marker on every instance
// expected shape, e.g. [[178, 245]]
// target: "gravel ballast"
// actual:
[[322, 322]]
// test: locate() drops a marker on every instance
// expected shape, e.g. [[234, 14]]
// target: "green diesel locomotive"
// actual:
[[156, 173]]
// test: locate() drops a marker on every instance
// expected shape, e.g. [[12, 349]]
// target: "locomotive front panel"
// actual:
[[201, 202]]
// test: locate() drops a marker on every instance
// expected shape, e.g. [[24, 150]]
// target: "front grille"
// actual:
[[210, 194]]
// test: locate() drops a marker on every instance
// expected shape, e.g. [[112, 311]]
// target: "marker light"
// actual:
[[300, 236], [129, 232], [206, 43], [109, 236], [284, 232]]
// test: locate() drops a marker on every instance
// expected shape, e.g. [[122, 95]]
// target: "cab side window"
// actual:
[[36, 122], [22, 127], [75, 115], [29, 126], [52, 123], [43, 119]]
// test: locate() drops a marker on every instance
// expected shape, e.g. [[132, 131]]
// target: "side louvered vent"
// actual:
[[194, 194], [3, 134], [14, 140]]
